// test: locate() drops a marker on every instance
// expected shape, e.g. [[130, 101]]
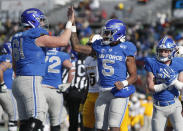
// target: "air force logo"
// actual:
[[110, 49], [103, 50]]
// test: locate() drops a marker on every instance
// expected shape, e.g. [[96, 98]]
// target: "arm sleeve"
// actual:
[[64, 56], [96, 45], [147, 65], [36, 32], [131, 49], [180, 61]]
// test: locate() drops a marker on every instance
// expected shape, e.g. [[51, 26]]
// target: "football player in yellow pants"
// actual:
[[125, 122], [88, 112], [93, 90]]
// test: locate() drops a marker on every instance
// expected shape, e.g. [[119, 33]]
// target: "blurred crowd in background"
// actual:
[[89, 18]]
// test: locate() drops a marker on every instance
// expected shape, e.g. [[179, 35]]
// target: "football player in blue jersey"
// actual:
[[165, 79], [115, 57], [7, 100], [52, 81], [28, 53]]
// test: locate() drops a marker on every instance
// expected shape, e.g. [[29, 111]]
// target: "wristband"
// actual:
[[73, 29], [72, 73], [159, 87], [69, 25], [125, 83]]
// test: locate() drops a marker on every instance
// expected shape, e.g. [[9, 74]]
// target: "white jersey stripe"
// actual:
[[34, 96]]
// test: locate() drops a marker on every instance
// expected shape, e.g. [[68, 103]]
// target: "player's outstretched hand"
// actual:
[[119, 85], [70, 14], [64, 87]]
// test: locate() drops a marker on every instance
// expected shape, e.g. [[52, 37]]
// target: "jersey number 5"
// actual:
[[108, 70], [92, 78]]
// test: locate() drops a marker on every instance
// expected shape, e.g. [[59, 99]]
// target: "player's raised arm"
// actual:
[[63, 39], [78, 47]]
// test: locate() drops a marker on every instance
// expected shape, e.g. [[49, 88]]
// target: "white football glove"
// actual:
[[3, 87], [178, 84], [64, 87], [160, 87]]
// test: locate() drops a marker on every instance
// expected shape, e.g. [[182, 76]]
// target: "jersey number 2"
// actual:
[[55, 60]]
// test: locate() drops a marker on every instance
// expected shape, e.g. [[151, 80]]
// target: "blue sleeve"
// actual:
[[147, 65], [180, 61], [64, 56], [36, 32], [131, 49], [96, 45]]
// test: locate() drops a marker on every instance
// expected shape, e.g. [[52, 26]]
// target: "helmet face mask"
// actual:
[[167, 47], [164, 58], [114, 30], [33, 18], [44, 22]]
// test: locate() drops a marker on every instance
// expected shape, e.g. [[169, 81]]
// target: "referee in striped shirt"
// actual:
[[77, 92]]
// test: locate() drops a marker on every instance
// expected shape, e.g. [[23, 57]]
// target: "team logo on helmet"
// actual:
[[114, 30], [165, 44], [33, 18]]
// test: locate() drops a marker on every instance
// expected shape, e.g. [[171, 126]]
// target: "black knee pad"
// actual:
[[55, 128], [35, 124], [24, 126]]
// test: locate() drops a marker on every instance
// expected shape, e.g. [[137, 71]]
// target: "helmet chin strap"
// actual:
[[121, 39], [106, 42], [163, 59]]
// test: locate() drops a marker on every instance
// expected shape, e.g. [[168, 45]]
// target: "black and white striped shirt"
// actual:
[[80, 80]]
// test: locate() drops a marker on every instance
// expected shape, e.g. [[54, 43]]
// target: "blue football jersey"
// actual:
[[111, 61], [29, 58], [162, 73], [54, 61], [8, 74]]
